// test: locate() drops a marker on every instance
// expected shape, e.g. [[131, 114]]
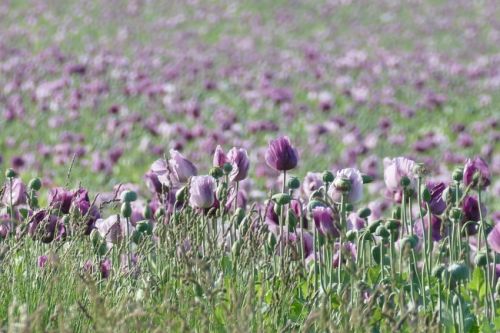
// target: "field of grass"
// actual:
[[93, 92]]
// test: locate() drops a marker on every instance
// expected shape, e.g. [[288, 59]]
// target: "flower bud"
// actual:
[[458, 174], [293, 183], [227, 168], [128, 196], [10, 173], [159, 213], [382, 232], [364, 212], [282, 198], [481, 259], [328, 177], [313, 204], [342, 184], [216, 172], [366, 179], [405, 181], [349, 207], [181, 194], [392, 225], [126, 209], [426, 195], [144, 227], [376, 253], [410, 241], [147, 212], [35, 184], [455, 274], [372, 227], [351, 235], [456, 214]]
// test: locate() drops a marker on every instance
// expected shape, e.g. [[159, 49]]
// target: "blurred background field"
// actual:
[[118, 83]]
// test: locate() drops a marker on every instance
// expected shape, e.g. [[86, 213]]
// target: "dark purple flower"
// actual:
[[324, 221], [477, 165], [281, 155], [152, 182], [60, 199], [42, 261], [470, 207], [46, 227], [437, 204], [436, 227]]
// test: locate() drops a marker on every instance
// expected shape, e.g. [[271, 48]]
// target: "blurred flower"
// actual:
[[281, 155], [181, 167], [17, 193], [220, 157], [60, 199], [312, 182], [324, 221], [356, 184], [201, 191]]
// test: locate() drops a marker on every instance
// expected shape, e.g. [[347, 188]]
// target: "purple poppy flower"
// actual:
[[46, 227], [271, 217], [470, 208], [356, 191], [437, 204], [201, 192], [395, 169], [182, 169], [477, 165], [153, 183], [281, 155], [238, 157], [113, 229], [436, 227], [354, 222], [324, 221], [17, 193], [60, 199], [105, 268], [42, 261]]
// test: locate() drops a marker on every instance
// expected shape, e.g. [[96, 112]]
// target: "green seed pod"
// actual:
[[396, 213], [128, 196], [376, 253], [159, 213], [349, 207], [382, 232], [144, 227], [481, 259], [426, 195], [10, 173], [126, 209], [181, 194], [293, 183], [216, 172], [366, 179], [227, 168], [282, 198], [313, 204], [392, 225], [318, 194], [438, 270], [292, 220], [409, 241], [342, 184], [35, 184], [236, 248], [458, 174], [351, 235], [102, 249], [372, 227], [328, 176], [147, 212], [364, 212], [405, 181], [456, 214], [455, 274]]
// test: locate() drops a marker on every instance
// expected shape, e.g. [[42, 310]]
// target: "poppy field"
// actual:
[[249, 166]]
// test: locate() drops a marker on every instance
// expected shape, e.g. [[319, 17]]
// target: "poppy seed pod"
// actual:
[[216, 172], [367, 179], [481, 259], [128, 196], [10, 173], [458, 174], [126, 209], [227, 168], [281, 155], [342, 185], [364, 212], [35, 184], [282, 198], [328, 176], [293, 183]]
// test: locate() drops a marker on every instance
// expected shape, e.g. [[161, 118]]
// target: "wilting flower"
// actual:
[[356, 181], [437, 205], [479, 166], [60, 199], [395, 169], [494, 238], [324, 221], [17, 193], [201, 191], [181, 167], [281, 155], [238, 157]]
